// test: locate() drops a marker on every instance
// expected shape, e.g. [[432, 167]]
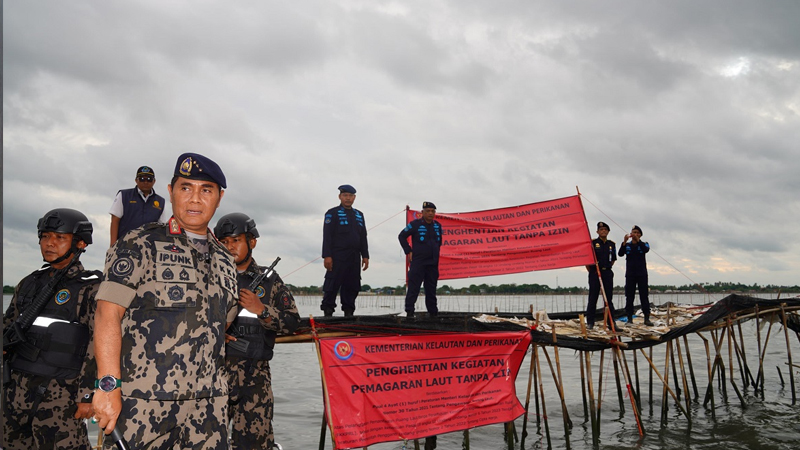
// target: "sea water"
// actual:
[[767, 421]]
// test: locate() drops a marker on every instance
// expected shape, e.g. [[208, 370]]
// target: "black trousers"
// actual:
[[594, 293], [631, 282], [345, 277], [417, 275]]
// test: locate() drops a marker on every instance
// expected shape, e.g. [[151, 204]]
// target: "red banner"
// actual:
[[538, 236], [382, 389]]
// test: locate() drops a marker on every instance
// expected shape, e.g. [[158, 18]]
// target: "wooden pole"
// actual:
[[324, 383], [650, 377], [619, 386], [636, 370], [626, 373], [749, 378], [664, 404], [732, 339], [691, 368], [592, 411], [541, 392], [685, 381], [527, 403], [710, 388], [789, 353], [601, 370], [583, 388], [664, 381]]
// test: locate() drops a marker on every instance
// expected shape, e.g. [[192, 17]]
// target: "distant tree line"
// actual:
[[543, 289]]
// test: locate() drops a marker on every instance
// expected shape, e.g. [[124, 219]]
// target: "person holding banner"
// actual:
[[423, 258], [605, 251], [49, 377], [636, 273], [345, 253], [266, 308]]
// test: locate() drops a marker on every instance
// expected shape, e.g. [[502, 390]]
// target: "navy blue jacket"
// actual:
[[344, 234], [136, 212], [635, 261], [426, 240], [605, 252]]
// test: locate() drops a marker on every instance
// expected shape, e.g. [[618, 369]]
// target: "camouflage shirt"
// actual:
[[178, 300]]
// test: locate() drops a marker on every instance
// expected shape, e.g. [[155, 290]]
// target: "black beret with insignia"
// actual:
[[347, 188], [603, 225], [197, 167], [428, 205]]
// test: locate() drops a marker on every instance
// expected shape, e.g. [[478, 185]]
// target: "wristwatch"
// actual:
[[264, 314], [108, 383]]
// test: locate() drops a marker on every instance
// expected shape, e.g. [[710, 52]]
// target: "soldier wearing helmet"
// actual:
[[52, 368], [264, 313]]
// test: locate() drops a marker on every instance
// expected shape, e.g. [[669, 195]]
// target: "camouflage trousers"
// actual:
[[174, 424], [250, 404], [51, 425]]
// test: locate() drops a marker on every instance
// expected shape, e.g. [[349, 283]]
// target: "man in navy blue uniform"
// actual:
[[345, 253], [423, 257], [137, 206], [605, 251], [636, 273]]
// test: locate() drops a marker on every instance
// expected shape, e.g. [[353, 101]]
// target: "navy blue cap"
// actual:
[[145, 171], [603, 225], [428, 205], [347, 188], [198, 167]]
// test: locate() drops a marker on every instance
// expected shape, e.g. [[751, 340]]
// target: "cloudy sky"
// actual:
[[682, 117]]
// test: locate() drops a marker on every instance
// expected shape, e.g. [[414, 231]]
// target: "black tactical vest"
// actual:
[[56, 344]]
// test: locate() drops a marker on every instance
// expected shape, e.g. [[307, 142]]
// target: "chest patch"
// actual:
[[62, 296]]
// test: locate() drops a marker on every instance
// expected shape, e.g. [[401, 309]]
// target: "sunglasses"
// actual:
[[146, 179]]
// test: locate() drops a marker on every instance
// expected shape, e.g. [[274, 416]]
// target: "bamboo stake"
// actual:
[[619, 387], [789, 353], [541, 392], [593, 413], [675, 373], [685, 381], [691, 368], [650, 377], [638, 392], [601, 370], [583, 389], [710, 389], [556, 381], [664, 405], [527, 403], [760, 377], [749, 378], [663, 381], [567, 420], [760, 361], [730, 362], [465, 442], [631, 394]]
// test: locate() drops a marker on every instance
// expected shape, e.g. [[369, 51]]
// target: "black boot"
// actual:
[[630, 320], [647, 321], [348, 312], [328, 312]]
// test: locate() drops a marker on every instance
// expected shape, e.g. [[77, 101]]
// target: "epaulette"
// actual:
[[173, 227], [609, 240]]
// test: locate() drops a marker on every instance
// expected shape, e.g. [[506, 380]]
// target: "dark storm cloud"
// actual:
[[681, 117]]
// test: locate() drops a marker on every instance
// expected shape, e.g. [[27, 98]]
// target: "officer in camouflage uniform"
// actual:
[[53, 371], [168, 295], [263, 313]]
